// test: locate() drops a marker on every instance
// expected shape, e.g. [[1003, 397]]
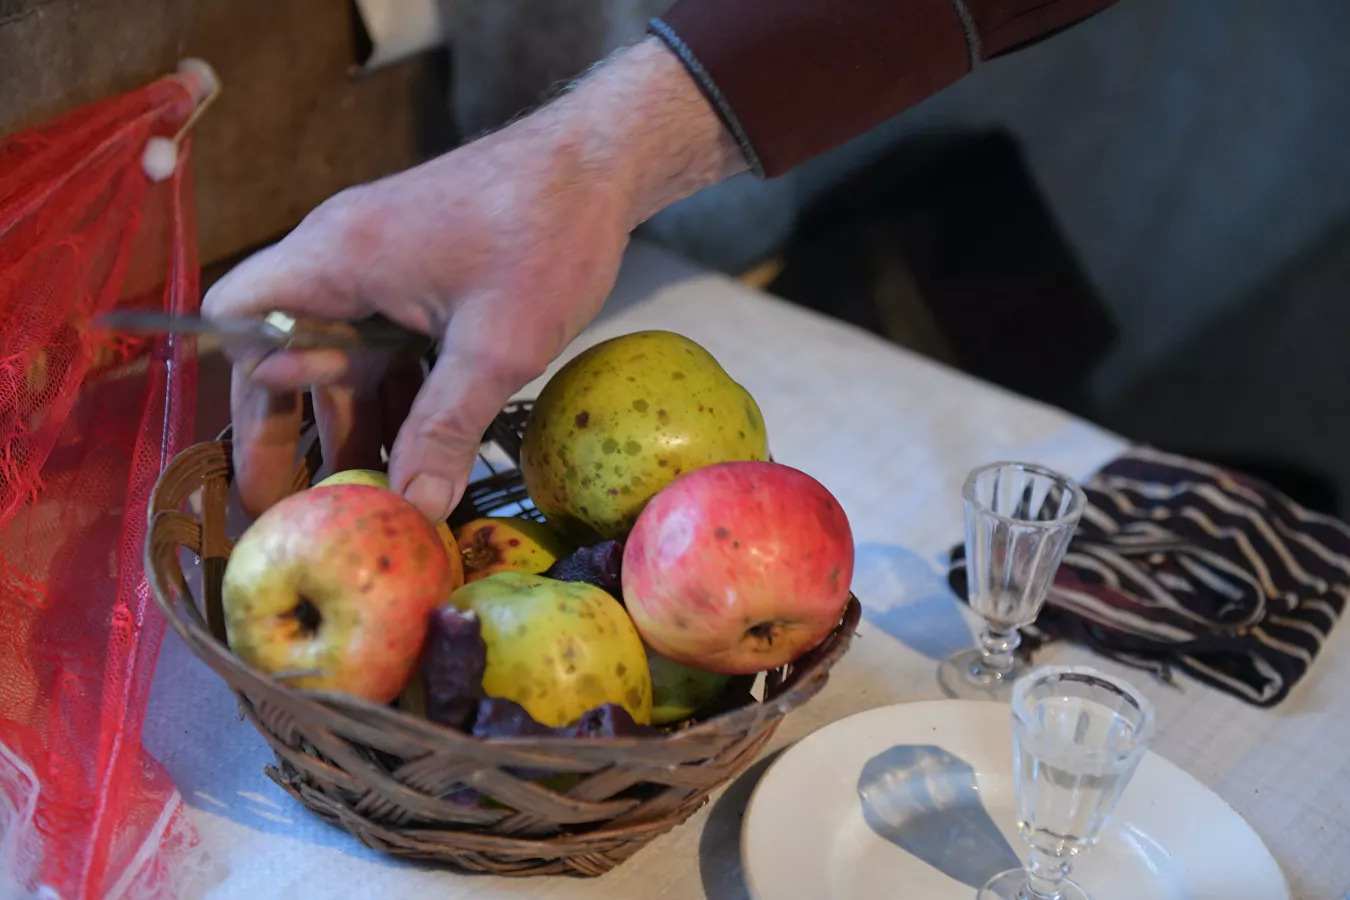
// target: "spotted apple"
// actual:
[[738, 567], [332, 589], [377, 478]]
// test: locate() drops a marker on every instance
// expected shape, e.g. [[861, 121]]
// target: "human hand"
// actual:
[[503, 249]]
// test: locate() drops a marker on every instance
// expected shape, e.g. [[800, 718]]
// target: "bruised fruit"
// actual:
[[738, 567], [622, 420], [376, 478], [332, 588], [679, 691], [507, 544], [558, 648]]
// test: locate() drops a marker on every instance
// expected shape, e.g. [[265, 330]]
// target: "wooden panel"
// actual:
[[292, 126]]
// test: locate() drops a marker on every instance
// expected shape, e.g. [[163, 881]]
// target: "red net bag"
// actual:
[[90, 221]]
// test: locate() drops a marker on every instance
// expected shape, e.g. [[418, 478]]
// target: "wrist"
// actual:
[[642, 130]]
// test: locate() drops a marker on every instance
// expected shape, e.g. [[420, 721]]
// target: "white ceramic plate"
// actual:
[[825, 822]]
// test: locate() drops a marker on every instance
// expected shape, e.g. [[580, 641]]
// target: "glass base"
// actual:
[[1012, 885], [962, 677]]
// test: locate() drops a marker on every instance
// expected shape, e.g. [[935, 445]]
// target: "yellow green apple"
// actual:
[[507, 544], [558, 648]]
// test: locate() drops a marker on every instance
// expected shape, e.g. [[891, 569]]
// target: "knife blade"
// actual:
[[274, 331]]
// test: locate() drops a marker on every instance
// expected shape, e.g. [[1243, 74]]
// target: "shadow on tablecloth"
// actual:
[[908, 597], [719, 848]]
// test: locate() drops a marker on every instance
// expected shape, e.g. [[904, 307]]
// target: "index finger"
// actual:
[[265, 405], [289, 275], [266, 433]]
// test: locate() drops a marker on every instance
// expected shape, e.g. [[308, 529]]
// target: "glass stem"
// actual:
[[998, 649], [1045, 876]]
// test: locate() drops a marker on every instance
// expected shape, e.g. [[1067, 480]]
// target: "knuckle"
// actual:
[[348, 222], [450, 432], [508, 361], [507, 365]]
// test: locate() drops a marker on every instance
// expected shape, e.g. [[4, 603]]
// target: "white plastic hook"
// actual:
[[160, 157], [200, 79]]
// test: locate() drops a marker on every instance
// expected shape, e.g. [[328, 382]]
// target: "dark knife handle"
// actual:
[[373, 333]]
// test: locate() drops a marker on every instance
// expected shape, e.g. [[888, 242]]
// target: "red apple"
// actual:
[[738, 567], [333, 589]]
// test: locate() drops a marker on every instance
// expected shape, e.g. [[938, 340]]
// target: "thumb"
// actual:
[[438, 443]]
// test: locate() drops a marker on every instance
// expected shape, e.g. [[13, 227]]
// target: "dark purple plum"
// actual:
[[454, 658], [609, 720], [464, 796], [499, 717], [597, 565]]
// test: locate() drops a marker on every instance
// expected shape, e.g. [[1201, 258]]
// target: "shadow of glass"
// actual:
[[926, 801]]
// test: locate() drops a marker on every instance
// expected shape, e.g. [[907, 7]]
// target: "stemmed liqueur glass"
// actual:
[[1019, 518], [1078, 736]]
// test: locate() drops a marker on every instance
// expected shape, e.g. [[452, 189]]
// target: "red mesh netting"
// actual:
[[86, 423]]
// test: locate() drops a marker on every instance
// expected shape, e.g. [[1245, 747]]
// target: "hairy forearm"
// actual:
[[639, 125]]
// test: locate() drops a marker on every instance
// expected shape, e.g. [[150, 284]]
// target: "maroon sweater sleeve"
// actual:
[[793, 78]]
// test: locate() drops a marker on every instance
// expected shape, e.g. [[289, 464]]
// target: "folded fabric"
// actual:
[[1181, 564]]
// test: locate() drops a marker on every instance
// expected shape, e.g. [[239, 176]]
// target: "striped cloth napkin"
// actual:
[[1178, 564]]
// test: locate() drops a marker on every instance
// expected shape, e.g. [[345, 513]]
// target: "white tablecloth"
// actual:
[[892, 435]]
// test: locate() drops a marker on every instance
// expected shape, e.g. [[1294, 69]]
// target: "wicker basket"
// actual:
[[383, 774]]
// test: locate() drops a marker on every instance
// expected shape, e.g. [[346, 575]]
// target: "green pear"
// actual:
[[622, 420], [679, 691]]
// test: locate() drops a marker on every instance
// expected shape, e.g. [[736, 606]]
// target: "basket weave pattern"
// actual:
[[384, 775]]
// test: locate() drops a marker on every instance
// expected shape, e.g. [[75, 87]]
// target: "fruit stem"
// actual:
[[764, 633]]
